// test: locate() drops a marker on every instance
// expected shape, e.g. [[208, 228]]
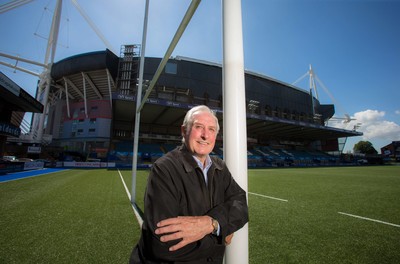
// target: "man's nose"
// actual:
[[205, 133]]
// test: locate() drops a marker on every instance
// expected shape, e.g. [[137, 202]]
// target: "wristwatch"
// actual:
[[215, 225]]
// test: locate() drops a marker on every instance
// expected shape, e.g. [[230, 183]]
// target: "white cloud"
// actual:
[[397, 112], [373, 125], [369, 116]]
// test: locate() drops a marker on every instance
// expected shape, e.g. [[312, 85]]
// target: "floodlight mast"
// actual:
[[45, 81], [312, 82], [313, 79]]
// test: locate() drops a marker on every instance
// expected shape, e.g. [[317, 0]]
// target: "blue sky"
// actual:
[[353, 46]]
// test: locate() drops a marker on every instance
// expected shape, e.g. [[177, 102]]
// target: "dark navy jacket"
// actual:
[[176, 187]]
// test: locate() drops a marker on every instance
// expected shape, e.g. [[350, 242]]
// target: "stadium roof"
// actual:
[[15, 98]]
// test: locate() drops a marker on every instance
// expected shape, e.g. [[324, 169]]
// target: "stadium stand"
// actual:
[[94, 97]]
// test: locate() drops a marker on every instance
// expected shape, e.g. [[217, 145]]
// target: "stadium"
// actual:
[[92, 101], [323, 214]]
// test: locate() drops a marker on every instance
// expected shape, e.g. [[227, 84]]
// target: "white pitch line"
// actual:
[[269, 197], [369, 219], [138, 217]]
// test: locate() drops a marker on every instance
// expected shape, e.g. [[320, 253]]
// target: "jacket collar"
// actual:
[[190, 164]]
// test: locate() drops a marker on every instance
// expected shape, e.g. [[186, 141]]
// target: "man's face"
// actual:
[[201, 138]]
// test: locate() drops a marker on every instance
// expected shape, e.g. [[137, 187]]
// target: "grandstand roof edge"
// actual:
[[246, 71]]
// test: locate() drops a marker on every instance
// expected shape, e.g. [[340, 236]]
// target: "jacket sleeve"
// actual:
[[162, 201], [232, 213]]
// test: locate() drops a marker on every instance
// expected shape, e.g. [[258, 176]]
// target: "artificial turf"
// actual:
[[84, 216]]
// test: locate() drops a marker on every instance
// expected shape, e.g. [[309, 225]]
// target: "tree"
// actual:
[[364, 147]]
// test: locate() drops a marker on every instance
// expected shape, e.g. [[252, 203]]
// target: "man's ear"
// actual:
[[183, 131]]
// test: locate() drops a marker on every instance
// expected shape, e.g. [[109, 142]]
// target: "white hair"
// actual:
[[189, 118]]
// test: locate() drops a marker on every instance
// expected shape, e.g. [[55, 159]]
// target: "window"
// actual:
[[94, 109], [80, 132], [92, 121], [92, 131], [171, 68], [76, 113]]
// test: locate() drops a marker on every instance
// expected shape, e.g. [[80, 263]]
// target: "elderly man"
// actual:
[[192, 204]]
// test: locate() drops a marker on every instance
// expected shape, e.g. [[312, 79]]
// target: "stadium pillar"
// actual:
[[234, 115]]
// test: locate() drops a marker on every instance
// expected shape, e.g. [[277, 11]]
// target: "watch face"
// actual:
[[215, 225]]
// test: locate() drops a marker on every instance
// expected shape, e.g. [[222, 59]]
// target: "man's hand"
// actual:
[[228, 239], [187, 228]]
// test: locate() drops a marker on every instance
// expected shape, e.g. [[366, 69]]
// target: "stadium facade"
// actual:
[[92, 105]]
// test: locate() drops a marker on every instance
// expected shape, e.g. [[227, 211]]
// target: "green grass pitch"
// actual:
[[85, 216]]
